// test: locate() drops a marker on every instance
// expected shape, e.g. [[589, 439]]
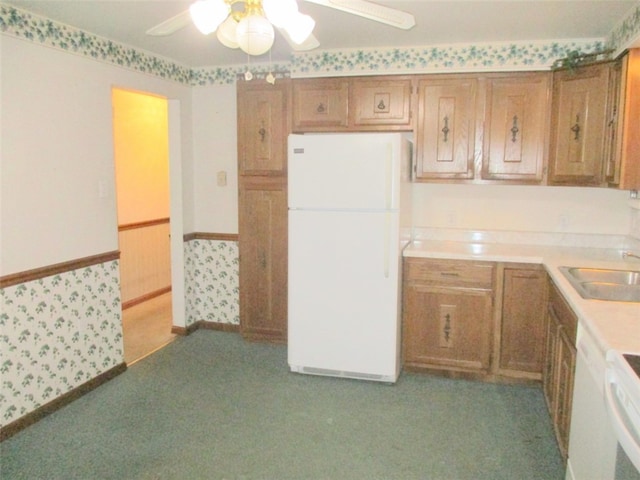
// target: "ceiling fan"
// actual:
[[248, 24]]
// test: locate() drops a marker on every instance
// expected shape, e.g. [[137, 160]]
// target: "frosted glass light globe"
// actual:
[[227, 33], [255, 34]]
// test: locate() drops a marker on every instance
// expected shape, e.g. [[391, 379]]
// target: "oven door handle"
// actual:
[[619, 419]]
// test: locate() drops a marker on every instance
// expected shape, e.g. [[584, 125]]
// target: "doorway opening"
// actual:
[[141, 156]]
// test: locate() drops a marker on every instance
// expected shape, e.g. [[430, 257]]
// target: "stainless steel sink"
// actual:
[[604, 284]]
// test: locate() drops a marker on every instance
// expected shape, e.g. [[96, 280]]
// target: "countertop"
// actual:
[[614, 325]]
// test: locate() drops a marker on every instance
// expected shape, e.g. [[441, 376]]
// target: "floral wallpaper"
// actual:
[[22, 24], [628, 29], [211, 281], [426, 59], [439, 58], [57, 333]]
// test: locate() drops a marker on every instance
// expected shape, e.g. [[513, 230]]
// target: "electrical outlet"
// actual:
[[222, 179]]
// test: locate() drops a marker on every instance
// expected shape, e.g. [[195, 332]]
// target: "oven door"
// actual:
[[622, 400]]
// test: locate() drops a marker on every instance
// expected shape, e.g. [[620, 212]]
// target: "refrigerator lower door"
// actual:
[[344, 305]]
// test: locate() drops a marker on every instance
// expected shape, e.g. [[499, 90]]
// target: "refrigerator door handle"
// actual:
[[387, 243]]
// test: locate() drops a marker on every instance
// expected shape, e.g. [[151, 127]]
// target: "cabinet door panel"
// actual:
[[382, 103], [514, 144], [445, 327], [263, 258], [320, 105], [522, 327], [262, 128], [446, 128], [550, 373], [566, 369], [578, 125], [623, 161]]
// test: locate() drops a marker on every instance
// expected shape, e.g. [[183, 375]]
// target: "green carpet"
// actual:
[[211, 406]]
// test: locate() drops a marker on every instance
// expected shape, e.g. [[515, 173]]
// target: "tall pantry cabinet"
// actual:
[[263, 127]]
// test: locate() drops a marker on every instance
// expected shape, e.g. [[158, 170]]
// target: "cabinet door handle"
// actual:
[[321, 108], [576, 128], [449, 274], [262, 132], [381, 105], [445, 130], [514, 129]]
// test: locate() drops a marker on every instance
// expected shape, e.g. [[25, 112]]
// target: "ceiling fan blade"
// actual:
[[372, 11], [170, 25], [309, 44]]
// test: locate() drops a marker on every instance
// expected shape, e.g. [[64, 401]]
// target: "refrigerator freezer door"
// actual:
[[344, 171], [344, 294]]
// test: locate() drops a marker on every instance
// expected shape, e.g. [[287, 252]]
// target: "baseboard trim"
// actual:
[[204, 325], [30, 418], [222, 327]]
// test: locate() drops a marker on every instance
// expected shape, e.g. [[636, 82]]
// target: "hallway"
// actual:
[[147, 328]]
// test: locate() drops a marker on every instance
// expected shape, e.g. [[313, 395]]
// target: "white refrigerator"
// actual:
[[349, 218]]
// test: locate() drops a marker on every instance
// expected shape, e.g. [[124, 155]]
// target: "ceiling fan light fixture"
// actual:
[[280, 12], [255, 34], [227, 33], [207, 15], [300, 27]]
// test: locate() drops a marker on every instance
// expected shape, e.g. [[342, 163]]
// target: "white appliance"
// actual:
[[604, 389], [349, 218], [622, 399]]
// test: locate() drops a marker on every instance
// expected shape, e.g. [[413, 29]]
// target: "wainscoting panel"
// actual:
[[211, 281], [145, 260], [58, 332]]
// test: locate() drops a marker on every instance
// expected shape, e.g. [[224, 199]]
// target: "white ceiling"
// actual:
[[437, 22]]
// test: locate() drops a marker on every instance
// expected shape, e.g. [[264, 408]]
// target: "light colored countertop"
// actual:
[[613, 324]]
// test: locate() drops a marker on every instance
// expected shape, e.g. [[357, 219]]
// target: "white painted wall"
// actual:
[[522, 208], [57, 185], [215, 150]]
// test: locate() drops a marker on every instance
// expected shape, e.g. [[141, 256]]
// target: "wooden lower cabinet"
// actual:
[[263, 258], [447, 328], [447, 315], [521, 338], [480, 320], [559, 366]]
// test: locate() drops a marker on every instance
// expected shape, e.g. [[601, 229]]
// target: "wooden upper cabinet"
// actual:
[[263, 126], [320, 104], [515, 127], [623, 157], [380, 103], [578, 125], [446, 132]]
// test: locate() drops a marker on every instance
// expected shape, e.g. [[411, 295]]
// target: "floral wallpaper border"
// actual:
[[439, 58], [626, 31], [426, 59], [57, 333]]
